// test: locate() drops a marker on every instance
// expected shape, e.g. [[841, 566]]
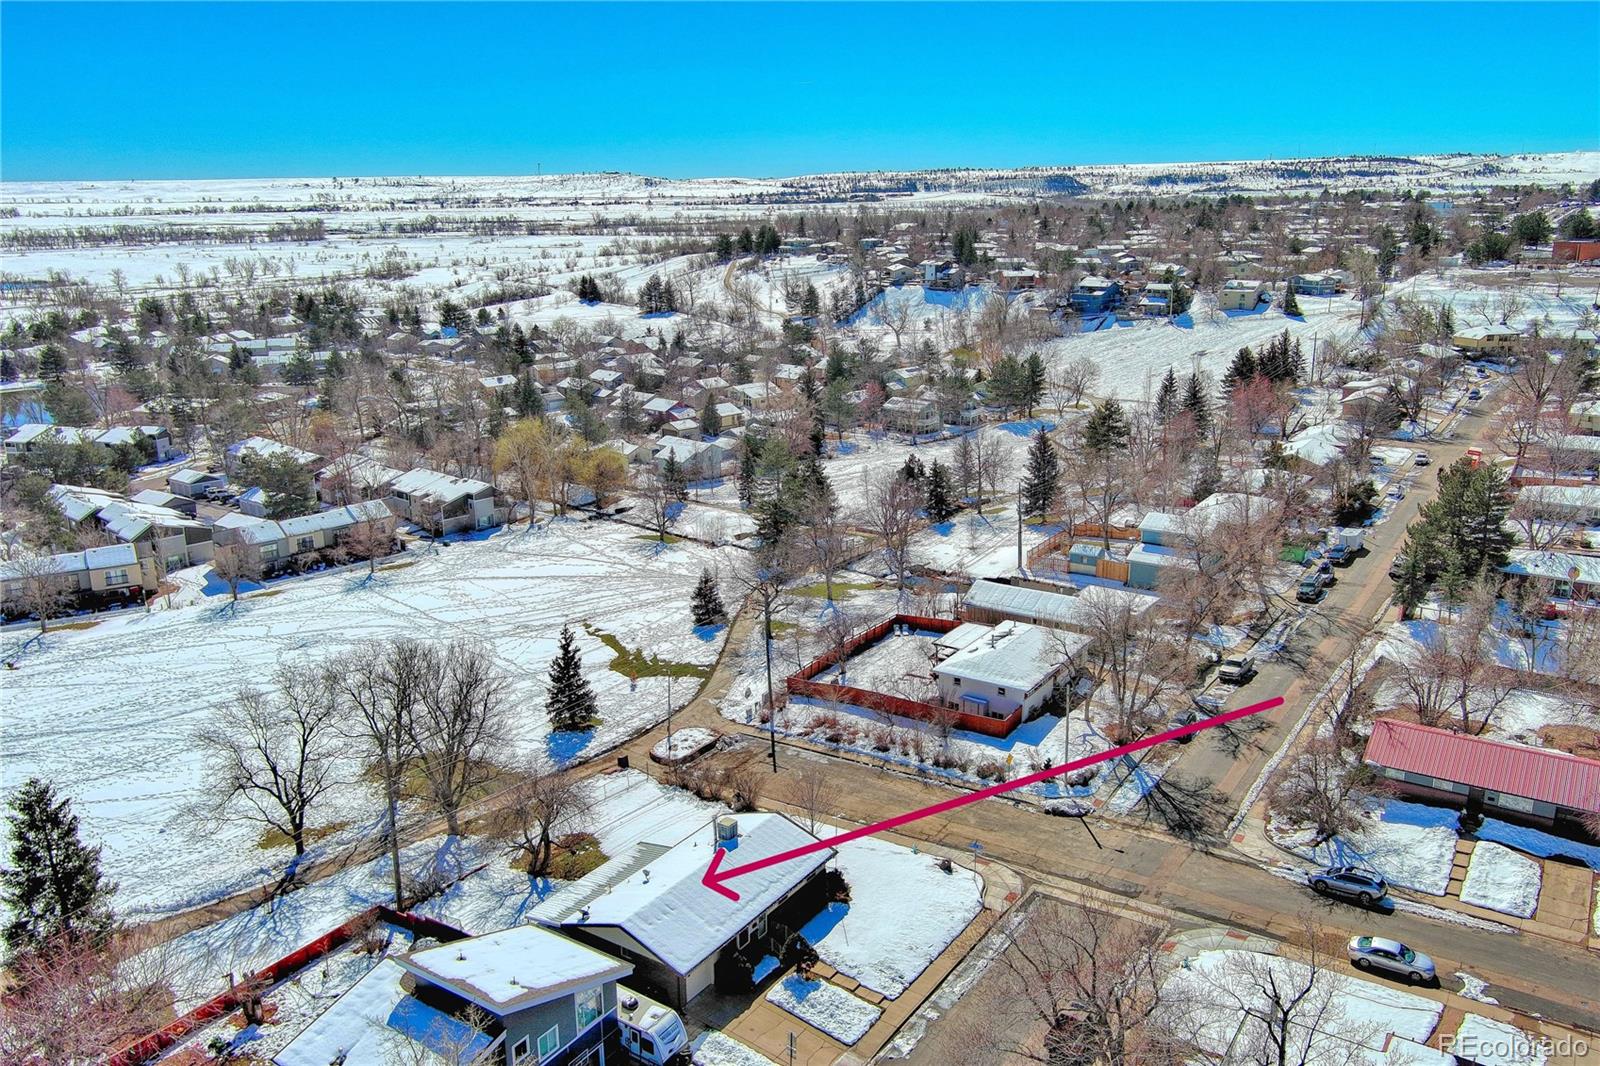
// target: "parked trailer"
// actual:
[[1351, 537], [651, 1032]]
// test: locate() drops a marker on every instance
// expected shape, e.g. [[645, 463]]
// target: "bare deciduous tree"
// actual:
[[38, 586], [235, 565], [813, 793], [542, 799], [891, 513], [1319, 788], [80, 1001], [272, 753], [1077, 985], [460, 723]]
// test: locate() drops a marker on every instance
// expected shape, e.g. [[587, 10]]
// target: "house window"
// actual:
[[590, 1006], [743, 938], [116, 577], [307, 543], [519, 1051], [549, 1043], [269, 551], [1000, 691]]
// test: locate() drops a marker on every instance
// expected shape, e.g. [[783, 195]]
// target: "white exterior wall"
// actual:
[[1004, 703]]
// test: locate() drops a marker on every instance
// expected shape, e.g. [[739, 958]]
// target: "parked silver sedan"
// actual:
[[1391, 956]]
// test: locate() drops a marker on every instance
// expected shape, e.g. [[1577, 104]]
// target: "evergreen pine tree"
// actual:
[[811, 304], [1241, 371], [52, 363], [529, 400], [913, 470], [1031, 386], [1044, 473], [52, 884], [1106, 429], [1296, 364], [724, 248], [1167, 397], [1291, 305], [1197, 404], [941, 505], [8, 368], [707, 607], [747, 242], [676, 480], [570, 702], [747, 473], [710, 420]]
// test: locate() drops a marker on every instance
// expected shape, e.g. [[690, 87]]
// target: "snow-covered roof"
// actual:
[[191, 476], [442, 486], [358, 467], [1556, 566], [337, 518], [1013, 654], [77, 562], [129, 521], [364, 1026], [1050, 607], [1317, 445], [515, 968], [78, 502], [270, 449], [666, 907]]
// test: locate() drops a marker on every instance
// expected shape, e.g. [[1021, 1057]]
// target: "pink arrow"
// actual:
[[715, 876]]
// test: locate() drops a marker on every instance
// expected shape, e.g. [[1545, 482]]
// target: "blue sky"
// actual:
[[129, 90]]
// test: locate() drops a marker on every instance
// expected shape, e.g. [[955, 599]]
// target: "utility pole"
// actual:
[[767, 594], [670, 753]]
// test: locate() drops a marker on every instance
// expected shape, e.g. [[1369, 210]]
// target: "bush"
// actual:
[[989, 770]]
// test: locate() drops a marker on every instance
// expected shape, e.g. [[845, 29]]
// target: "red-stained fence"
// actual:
[[800, 683], [153, 1044]]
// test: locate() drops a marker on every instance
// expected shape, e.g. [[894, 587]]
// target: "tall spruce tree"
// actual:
[[1241, 371], [1030, 388], [747, 473], [1291, 303], [569, 702], [676, 480], [710, 420], [941, 504], [1044, 474], [1106, 429], [52, 885], [1167, 396], [1197, 404], [707, 606]]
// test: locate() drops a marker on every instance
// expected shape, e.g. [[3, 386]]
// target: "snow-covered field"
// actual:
[[903, 912], [108, 713], [1501, 880], [825, 1007]]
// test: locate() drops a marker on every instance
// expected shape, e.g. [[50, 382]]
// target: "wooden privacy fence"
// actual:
[[152, 1044], [800, 683], [1056, 542]]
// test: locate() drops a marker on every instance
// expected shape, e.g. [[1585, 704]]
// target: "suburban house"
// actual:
[[648, 905], [1571, 575], [288, 542], [1577, 505], [263, 448], [33, 435], [993, 602], [442, 504], [1240, 294], [1177, 529], [353, 478], [1095, 295], [1323, 284], [542, 999], [1498, 779], [1018, 280], [1006, 671], [172, 536], [97, 577], [1586, 416], [911, 414], [197, 484], [1487, 340], [942, 275], [698, 459]]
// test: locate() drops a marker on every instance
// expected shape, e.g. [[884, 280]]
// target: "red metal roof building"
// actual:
[[1531, 782]]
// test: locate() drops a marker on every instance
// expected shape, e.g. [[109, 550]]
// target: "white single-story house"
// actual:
[[443, 504], [265, 448], [197, 484], [698, 459], [1007, 667], [649, 906]]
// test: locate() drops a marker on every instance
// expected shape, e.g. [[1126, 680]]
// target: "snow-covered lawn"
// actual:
[[719, 1049], [825, 1007], [1354, 1018], [108, 713], [1491, 1043], [1410, 844], [1538, 842], [903, 912], [1501, 880]]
